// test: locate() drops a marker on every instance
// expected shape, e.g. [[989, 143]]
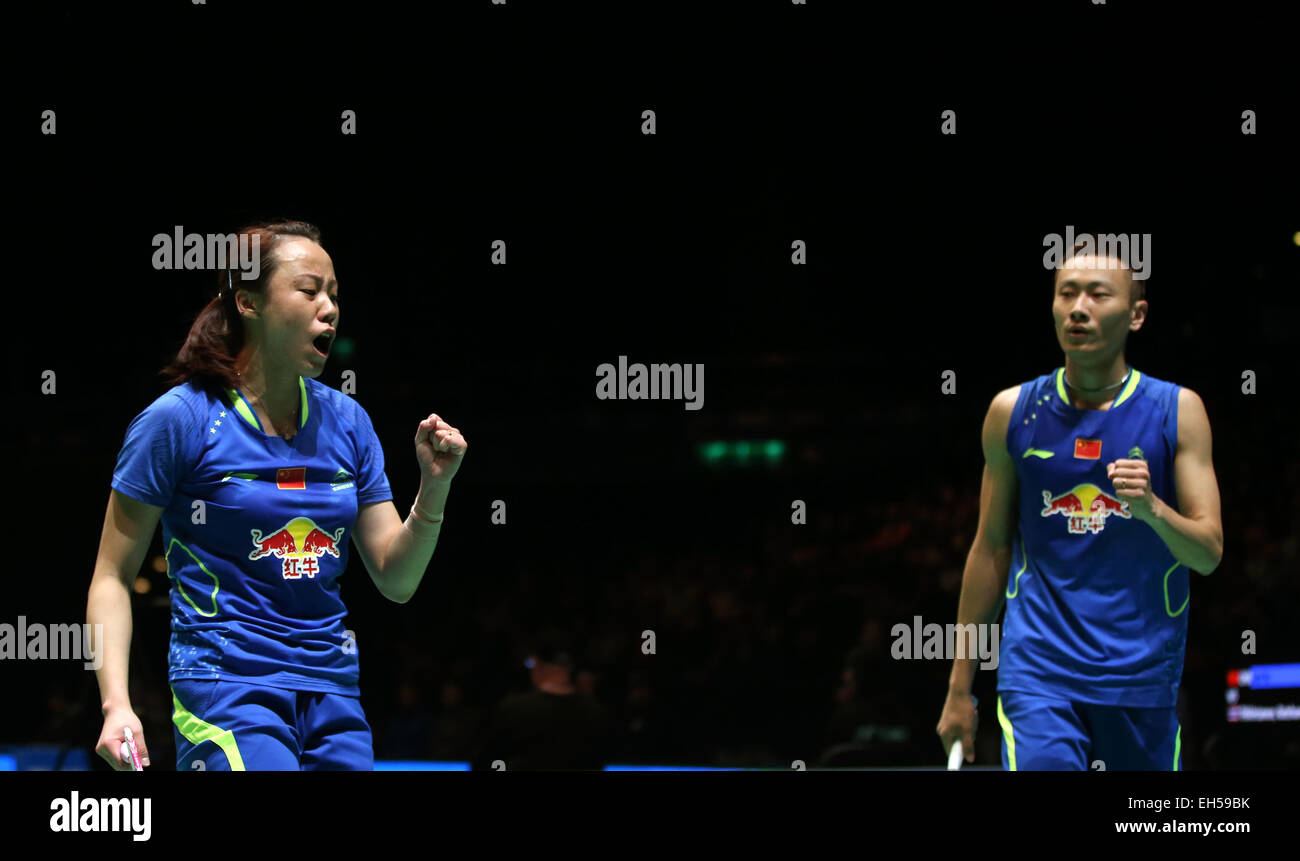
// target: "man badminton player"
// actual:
[[262, 478], [1098, 495]]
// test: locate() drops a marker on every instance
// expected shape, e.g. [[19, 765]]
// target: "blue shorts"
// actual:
[[1048, 734], [234, 726]]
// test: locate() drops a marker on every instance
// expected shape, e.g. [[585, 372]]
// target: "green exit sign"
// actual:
[[743, 453]]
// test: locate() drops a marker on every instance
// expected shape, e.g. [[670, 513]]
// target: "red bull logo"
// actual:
[[299, 544], [1086, 507]]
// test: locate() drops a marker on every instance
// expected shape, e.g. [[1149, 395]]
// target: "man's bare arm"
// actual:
[[984, 580], [1194, 533]]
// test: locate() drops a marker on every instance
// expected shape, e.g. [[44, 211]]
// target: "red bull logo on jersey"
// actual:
[[299, 544], [1085, 507]]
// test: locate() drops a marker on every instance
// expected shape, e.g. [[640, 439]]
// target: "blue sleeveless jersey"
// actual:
[[255, 568], [1096, 602]]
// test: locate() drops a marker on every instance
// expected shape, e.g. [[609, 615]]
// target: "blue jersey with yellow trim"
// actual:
[[1096, 602], [256, 531]]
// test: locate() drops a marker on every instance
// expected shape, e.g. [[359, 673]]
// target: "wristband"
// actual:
[[438, 519], [422, 527]]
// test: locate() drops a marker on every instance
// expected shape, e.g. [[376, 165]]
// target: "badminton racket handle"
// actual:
[[129, 752]]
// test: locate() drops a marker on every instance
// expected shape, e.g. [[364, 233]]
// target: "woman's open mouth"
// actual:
[[322, 343]]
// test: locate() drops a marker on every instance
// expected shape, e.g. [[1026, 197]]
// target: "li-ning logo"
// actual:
[[1085, 507]]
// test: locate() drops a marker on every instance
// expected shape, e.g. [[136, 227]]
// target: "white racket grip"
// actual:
[[129, 752], [955, 756]]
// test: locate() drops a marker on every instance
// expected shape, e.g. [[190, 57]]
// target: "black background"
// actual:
[[924, 256]]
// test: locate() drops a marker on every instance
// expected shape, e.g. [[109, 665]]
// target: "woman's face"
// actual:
[[300, 313]]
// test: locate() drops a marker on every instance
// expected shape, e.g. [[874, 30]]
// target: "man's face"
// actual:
[[301, 303], [1091, 305]]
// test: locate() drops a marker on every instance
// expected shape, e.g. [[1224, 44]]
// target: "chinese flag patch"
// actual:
[[1088, 449], [291, 478]]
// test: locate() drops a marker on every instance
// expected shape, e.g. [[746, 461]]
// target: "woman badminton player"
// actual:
[[262, 478]]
